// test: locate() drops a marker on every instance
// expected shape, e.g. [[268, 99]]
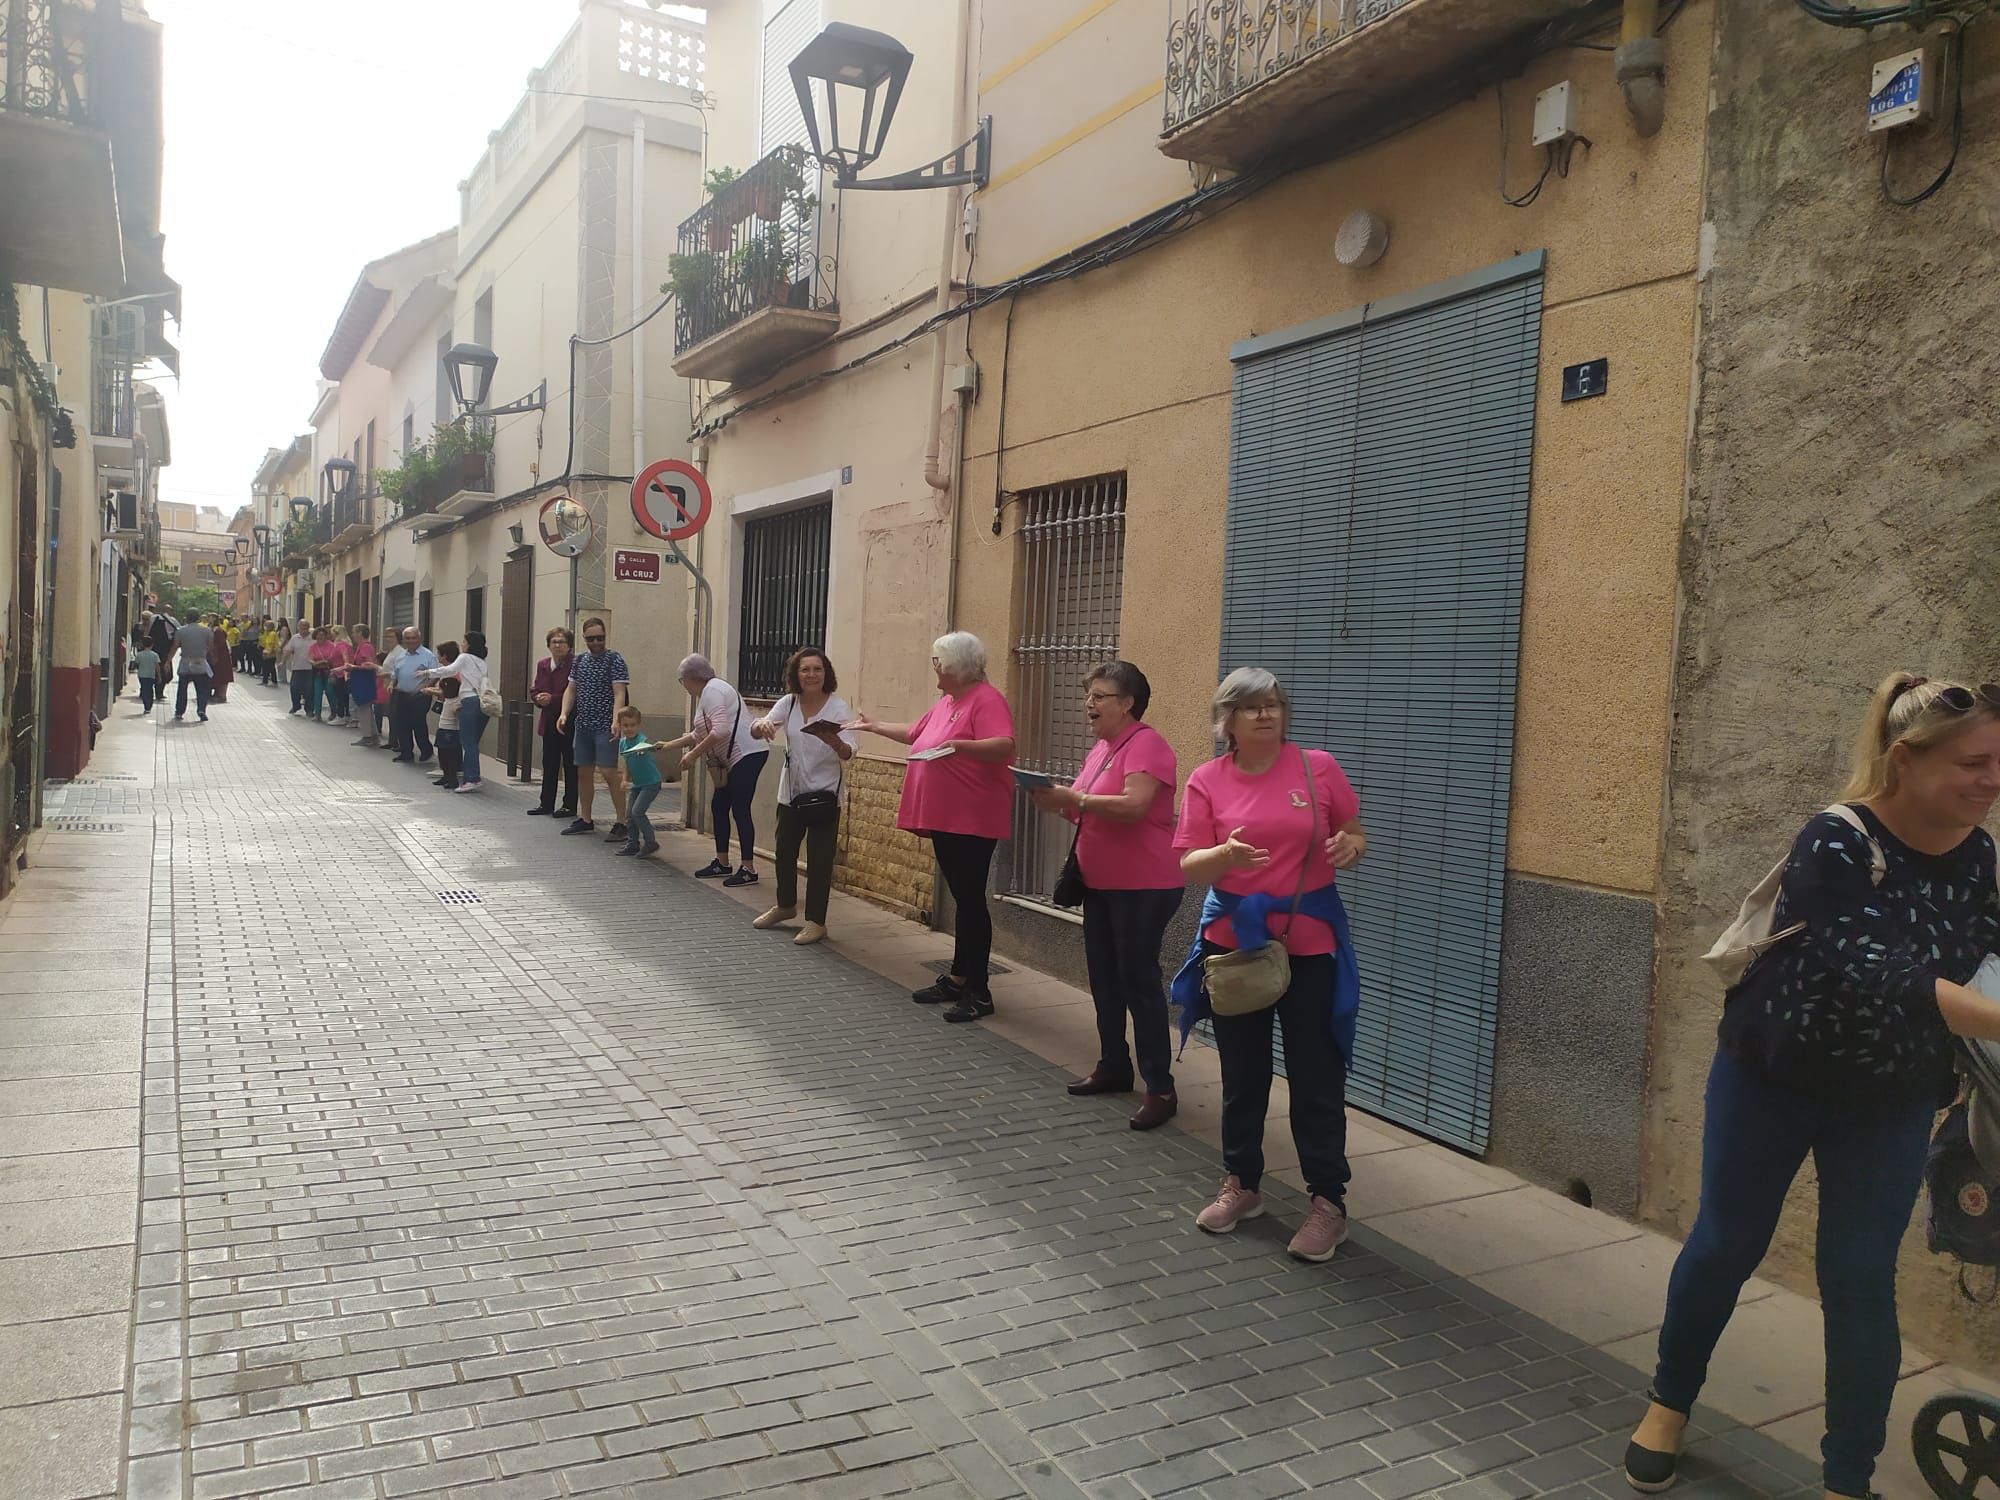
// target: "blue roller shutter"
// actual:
[[1378, 507]]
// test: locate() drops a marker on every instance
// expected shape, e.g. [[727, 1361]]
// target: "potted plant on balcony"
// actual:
[[690, 276], [781, 180], [764, 267], [462, 451], [728, 207]]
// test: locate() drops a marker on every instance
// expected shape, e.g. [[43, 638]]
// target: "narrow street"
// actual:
[[474, 1162]]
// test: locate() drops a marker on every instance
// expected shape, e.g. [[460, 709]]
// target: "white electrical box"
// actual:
[[1903, 89], [1555, 115]]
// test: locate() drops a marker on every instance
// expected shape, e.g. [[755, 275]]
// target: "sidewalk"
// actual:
[[567, 1182]]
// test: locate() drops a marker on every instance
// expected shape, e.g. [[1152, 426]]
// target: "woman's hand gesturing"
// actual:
[[1243, 856]]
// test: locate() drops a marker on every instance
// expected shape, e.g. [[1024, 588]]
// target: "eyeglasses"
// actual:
[[1095, 698]]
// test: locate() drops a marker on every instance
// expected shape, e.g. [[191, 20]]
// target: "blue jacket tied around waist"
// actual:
[[1250, 915]]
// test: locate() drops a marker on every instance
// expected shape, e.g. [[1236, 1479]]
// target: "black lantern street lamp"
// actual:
[[243, 545], [469, 368], [302, 508], [262, 533], [339, 473], [849, 81]]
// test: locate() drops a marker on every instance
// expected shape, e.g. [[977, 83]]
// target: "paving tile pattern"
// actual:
[[588, 1189]]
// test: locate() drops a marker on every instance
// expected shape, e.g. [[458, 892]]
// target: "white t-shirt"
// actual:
[[810, 765], [470, 671], [719, 707]]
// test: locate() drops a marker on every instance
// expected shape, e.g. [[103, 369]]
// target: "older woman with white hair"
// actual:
[[958, 793], [721, 737], [1266, 824]]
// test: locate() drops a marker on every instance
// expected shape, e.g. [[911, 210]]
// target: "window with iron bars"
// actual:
[[785, 562], [1072, 582]]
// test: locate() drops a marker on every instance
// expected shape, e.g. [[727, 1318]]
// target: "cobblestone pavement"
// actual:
[[576, 1185]]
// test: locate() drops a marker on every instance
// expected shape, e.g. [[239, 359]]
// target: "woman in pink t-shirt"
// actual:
[[958, 791], [1122, 802], [1271, 818]]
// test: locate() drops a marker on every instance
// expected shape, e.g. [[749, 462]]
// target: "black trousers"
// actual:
[[1314, 1069], [821, 844], [965, 860], [409, 722], [731, 801], [449, 758], [1122, 933], [558, 764]]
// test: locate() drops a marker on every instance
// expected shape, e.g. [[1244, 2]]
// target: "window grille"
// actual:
[[785, 559], [399, 606], [1072, 581], [475, 610]]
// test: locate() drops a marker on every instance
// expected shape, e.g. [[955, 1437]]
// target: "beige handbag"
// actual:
[[1241, 984]]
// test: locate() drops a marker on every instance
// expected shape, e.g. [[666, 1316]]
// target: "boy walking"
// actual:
[[146, 662], [643, 781]]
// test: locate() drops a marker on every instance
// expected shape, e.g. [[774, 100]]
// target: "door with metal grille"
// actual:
[[1072, 586], [785, 561], [1378, 507]]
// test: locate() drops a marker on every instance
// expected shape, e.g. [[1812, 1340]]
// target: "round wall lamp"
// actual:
[[1363, 238]]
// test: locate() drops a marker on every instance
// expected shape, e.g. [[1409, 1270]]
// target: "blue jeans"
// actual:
[[471, 725], [732, 800], [1870, 1163], [639, 827]]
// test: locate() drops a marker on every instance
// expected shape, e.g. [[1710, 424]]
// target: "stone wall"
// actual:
[[1844, 502], [878, 860]]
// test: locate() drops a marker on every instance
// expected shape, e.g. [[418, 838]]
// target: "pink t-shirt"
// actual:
[[321, 653], [1130, 856], [1271, 811], [363, 654], [959, 794]]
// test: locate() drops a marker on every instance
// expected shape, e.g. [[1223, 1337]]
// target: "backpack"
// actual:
[[1750, 935]]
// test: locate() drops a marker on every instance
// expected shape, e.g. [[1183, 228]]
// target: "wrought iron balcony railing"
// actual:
[[756, 244], [114, 406], [1218, 49], [45, 59]]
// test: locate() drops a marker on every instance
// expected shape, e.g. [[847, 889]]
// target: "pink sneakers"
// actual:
[[1233, 1204], [1325, 1227]]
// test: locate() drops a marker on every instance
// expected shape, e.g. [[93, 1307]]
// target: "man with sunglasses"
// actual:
[[599, 686]]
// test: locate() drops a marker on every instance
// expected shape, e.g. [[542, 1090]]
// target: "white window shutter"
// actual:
[[788, 26]]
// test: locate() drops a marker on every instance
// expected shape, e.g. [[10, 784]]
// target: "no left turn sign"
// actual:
[[671, 500]]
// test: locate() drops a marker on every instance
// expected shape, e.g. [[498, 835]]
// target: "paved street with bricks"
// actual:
[[468, 1160]]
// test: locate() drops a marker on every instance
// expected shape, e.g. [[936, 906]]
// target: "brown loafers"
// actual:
[[1154, 1110], [1097, 1081]]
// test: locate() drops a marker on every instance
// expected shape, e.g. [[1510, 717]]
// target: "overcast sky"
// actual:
[[305, 138]]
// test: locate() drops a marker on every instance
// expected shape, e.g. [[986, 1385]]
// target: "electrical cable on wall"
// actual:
[[1955, 60]]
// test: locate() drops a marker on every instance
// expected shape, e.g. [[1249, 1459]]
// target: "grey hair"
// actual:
[[962, 654], [697, 667], [1238, 688]]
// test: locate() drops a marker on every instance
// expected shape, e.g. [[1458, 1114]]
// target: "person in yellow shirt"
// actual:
[[267, 653]]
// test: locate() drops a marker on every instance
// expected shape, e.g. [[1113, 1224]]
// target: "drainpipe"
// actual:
[[1641, 63], [639, 297], [954, 210]]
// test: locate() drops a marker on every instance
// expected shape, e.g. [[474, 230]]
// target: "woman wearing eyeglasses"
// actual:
[[1265, 825], [1836, 1041], [958, 792], [1122, 803]]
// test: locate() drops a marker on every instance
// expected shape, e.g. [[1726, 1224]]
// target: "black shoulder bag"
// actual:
[[1069, 887], [814, 809]]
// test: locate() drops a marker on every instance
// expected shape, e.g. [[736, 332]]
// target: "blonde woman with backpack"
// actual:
[[1836, 1041]]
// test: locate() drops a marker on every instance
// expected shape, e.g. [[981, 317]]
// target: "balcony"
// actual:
[[294, 551], [1247, 78], [350, 522], [114, 413], [61, 227], [751, 285]]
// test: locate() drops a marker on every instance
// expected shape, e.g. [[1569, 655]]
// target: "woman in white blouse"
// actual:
[[809, 788], [469, 667]]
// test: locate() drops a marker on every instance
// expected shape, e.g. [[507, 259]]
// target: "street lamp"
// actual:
[[302, 507], [339, 475], [243, 547], [849, 81], [469, 368], [262, 533]]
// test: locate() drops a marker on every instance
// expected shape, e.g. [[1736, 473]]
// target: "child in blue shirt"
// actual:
[[643, 781], [146, 662]]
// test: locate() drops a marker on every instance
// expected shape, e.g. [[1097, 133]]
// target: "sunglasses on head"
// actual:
[[1961, 700]]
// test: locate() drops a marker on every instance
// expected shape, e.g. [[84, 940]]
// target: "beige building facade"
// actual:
[[561, 246]]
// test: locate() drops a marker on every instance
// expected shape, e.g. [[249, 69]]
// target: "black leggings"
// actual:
[[732, 800], [965, 860]]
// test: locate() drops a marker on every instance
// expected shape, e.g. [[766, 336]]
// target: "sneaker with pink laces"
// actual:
[[1233, 1204], [1325, 1227]]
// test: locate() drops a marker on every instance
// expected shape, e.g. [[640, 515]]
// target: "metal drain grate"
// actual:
[[80, 825], [459, 898]]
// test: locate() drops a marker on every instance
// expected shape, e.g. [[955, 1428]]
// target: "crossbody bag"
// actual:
[[1069, 887], [1241, 984], [819, 808], [718, 765]]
